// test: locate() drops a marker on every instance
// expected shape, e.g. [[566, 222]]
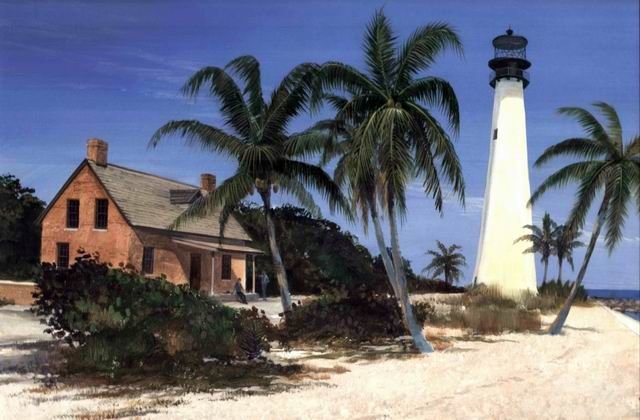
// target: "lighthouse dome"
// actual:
[[510, 58]]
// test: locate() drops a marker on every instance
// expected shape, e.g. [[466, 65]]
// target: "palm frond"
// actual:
[[422, 47], [379, 47], [438, 93], [229, 193], [614, 128], [578, 147], [572, 172], [248, 69], [619, 184], [195, 133], [222, 86]]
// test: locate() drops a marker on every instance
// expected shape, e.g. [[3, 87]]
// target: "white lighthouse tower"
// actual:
[[501, 261]]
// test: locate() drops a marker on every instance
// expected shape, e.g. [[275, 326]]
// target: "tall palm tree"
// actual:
[[446, 261], [396, 136], [606, 165], [565, 241], [256, 136], [542, 241]]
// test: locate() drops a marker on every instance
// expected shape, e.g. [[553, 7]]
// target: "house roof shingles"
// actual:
[[145, 200]]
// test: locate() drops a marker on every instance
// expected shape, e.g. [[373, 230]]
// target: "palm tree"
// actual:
[[542, 241], [606, 165], [396, 137], [564, 242], [256, 136], [447, 262]]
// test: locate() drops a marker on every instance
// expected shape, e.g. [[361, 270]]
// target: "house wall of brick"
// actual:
[[238, 271], [18, 293], [113, 243]]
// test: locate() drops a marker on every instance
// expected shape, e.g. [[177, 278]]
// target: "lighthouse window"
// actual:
[[495, 134]]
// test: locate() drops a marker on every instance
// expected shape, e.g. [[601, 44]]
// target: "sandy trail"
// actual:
[[592, 371]]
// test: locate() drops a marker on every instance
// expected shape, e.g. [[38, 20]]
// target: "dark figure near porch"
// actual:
[[239, 292], [264, 282]]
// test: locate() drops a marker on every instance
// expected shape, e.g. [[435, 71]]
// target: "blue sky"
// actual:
[[73, 70]]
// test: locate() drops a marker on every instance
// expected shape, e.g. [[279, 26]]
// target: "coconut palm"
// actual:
[[542, 241], [446, 261], [564, 242], [396, 137], [605, 165], [256, 136]]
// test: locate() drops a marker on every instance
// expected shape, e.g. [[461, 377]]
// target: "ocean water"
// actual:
[[634, 315], [614, 293]]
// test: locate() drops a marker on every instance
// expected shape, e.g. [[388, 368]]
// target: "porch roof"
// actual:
[[216, 246]]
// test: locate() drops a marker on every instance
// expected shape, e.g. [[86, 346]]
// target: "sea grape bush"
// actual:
[[118, 316]]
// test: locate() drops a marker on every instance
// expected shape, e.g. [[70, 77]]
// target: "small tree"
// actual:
[[19, 233], [542, 241], [446, 261], [564, 242]]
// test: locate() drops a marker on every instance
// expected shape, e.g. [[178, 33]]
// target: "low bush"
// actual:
[[484, 310], [347, 320], [117, 319], [494, 320], [420, 284], [555, 288]]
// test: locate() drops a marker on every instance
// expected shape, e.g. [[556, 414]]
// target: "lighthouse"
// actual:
[[501, 261]]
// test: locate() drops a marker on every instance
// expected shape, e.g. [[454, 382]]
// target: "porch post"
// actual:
[[253, 272]]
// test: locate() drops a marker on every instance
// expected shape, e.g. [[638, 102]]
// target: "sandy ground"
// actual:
[[592, 371]]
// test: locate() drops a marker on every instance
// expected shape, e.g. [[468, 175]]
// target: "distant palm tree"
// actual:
[[447, 261], [608, 166], [564, 242], [256, 136], [541, 241], [396, 135]]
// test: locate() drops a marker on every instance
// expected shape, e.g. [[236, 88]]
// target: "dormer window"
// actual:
[[73, 214], [102, 213]]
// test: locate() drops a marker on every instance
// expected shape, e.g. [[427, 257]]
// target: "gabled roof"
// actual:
[[145, 201]]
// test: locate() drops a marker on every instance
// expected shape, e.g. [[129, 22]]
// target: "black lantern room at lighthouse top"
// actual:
[[510, 58]]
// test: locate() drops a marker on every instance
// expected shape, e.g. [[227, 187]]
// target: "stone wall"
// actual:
[[16, 292]]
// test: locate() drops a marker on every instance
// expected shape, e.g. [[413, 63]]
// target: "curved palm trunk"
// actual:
[[546, 267], [558, 323], [386, 259], [414, 328], [278, 266]]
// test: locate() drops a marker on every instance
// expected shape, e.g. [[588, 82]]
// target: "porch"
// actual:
[[215, 267]]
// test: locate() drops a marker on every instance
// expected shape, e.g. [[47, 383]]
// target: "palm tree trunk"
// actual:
[[546, 267], [278, 266], [384, 254], [560, 270], [415, 330], [558, 323]]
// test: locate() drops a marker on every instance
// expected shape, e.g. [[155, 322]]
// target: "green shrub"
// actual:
[[555, 288], [345, 319], [494, 320], [115, 317], [419, 284], [482, 295]]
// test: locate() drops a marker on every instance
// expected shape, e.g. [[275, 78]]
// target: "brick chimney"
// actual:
[[208, 182], [97, 151]]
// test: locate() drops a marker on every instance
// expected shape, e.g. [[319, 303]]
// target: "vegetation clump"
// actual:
[[350, 320], [115, 319]]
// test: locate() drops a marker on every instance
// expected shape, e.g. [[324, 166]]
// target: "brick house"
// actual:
[[124, 215]]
